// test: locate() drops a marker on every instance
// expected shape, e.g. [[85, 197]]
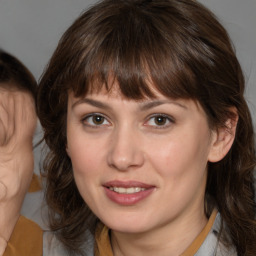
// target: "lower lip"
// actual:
[[128, 199]]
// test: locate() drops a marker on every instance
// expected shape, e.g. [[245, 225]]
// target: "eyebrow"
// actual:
[[143, 105], [94, 103], [148, 105]]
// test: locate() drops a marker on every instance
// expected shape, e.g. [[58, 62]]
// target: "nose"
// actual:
[[125, 151]]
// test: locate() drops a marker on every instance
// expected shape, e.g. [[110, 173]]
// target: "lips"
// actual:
[[128, 192]]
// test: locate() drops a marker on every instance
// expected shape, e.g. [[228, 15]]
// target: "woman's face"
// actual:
[[139, 165]]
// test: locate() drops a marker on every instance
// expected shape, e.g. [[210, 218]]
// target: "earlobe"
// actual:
[[222, 139]]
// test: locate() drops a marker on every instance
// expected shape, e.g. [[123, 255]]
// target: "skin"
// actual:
[[17, 126], [124, 142]]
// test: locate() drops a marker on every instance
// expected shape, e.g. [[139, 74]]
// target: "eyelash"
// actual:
[[94, 115], [167, 118]]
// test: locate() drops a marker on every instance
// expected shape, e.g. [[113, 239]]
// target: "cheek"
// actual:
[[83, 159], [83, 166], [84, 155], [179, 155]]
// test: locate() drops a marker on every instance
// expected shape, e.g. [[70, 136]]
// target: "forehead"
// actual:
[[114, 99], [14, 87]]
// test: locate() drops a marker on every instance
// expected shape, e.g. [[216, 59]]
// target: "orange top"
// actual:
[[35, 184], [26, 239], [27, 236]]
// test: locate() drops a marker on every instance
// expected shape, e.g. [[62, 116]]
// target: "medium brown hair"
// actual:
[[180, 46]]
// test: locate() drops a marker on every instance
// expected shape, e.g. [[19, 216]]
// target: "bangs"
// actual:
[[133, 51], [137, 74]]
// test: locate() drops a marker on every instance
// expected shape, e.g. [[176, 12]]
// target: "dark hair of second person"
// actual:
[[14, 75]]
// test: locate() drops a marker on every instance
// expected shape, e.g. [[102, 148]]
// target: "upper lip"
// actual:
[[127, 184]]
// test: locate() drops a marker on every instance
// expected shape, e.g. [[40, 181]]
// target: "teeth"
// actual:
[[127, 190]]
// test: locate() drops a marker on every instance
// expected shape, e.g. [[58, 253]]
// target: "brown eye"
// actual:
[[160, 120], [95, 120], [98, 120]]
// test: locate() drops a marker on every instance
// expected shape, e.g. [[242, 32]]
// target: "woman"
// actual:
[[151, 140]]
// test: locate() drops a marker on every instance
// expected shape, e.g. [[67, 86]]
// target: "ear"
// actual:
[[223, 138]]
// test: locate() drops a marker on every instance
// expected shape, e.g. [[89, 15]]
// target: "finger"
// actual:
[[10, 109], [3, 191], [6, 127], [2, 129], [25, 117]]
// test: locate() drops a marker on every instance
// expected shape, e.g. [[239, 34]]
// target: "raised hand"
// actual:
[[17, 126]]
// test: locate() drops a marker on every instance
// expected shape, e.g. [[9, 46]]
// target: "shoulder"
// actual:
[[27, 235], [212, 246], [35, 209], [53, 247], [26, 239]]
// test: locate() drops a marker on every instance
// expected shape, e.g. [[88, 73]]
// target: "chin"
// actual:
[[127, 225], [128, 229]]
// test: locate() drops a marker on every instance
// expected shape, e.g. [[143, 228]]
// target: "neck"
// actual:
[[171, 239]]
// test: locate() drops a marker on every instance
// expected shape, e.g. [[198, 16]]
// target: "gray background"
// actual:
[[30, 30]]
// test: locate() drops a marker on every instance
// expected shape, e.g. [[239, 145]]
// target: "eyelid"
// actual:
[[168, 117], [83, 120]]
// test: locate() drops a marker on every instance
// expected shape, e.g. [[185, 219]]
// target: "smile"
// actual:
[[127, 193], [131, 190]]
